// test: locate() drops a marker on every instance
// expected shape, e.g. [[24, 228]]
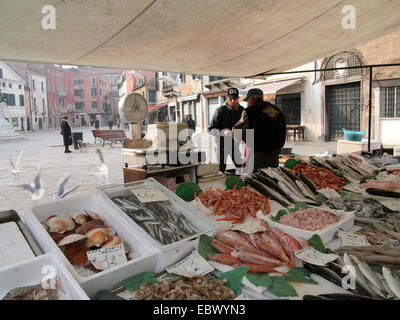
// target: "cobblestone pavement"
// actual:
[[45, 148]]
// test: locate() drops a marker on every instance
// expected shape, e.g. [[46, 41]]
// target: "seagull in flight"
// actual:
[[35, 187], [15, 166], [60, 193], [102, 173]]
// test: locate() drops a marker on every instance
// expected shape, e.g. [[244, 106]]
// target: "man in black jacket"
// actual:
[[67, 134], [224, 118], [269, 125]]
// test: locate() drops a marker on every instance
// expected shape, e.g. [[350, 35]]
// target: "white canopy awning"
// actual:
[[271, 87], [218, 37]]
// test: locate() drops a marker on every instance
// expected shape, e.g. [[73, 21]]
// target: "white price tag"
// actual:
[[148, 193], [384, 176], [192, 265], [313, 256], [106, 258], [329, 193], [354, 187], [198, 205], [391, 204], [351, 239], [242, 296], [250, 226]]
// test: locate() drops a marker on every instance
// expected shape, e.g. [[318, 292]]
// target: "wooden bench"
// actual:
[[109, 136]]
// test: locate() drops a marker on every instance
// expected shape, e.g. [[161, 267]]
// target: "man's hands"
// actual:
[[228, 133]]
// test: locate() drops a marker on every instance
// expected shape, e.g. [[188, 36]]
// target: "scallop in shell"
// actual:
[[97, 236], [92, 224], [92, 214], [60, 224], [71, 239], [79, 218], [111, 232], [112, 241]]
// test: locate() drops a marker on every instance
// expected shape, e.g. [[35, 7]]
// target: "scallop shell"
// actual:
[[97, 236], [92, 214], [111, 232], [71, 239], [112, 241], [79, 218], [60, 224], [92, 224]]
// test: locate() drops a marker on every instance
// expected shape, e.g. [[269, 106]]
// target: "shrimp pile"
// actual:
[[182, 288], [235, 204], [322, 177]]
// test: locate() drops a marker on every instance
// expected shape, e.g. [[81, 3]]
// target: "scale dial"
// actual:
[[133, 107]]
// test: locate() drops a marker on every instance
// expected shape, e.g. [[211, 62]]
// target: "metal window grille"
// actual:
[[390, 102]]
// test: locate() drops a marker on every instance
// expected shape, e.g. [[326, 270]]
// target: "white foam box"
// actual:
[[32, 272], [146, 255], [327, 234], [174, 252], [344, 146]]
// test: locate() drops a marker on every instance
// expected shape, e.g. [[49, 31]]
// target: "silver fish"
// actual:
[[391, 281]]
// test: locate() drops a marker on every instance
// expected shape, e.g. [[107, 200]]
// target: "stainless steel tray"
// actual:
[[12, 216]]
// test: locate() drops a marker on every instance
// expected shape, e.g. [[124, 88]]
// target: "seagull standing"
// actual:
[[15, 167], [102, 173], [35, 187], [60, 193]]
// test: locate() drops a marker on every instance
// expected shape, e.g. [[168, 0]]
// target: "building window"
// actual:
[[14, 122], [94, 92], [42, 86], [50, 121], [75, 82], [10, 85], [9, 99], [390, 102], [34, 103], [80, 81], [290, 105], [43, 104], [100, 91], [94, 104], [1, 73], [79, 92], [79, 105], [33, 85], [19, 86], [93, 80], [21, 100]]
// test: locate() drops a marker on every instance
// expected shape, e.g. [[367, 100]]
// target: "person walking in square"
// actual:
[[110, 124], [96, 124], [66, 133]]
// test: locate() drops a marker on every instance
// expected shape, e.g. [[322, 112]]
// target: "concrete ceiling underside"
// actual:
[[235, 38]]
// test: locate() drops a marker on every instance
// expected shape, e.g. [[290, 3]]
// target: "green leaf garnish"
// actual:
[[107, 295], [235, 278], [316, 242], [259, 280], [205, 247], [281, 288], [187, 190], [134, 283], [233, 181], [299, 275]]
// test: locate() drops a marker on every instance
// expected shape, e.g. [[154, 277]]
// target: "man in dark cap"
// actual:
[[269, 125], [224, 118]]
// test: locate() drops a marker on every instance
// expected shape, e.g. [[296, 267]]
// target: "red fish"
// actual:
[[223, 258], [232, 239], [221, 247], [271, 244], [248, 256]]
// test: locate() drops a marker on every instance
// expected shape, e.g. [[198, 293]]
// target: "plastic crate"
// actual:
[[353, 135]]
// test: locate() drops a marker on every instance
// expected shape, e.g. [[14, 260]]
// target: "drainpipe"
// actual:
[[30, 99]]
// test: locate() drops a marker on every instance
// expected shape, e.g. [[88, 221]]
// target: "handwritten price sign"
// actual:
[[313, 256], [106, 258], [192, 265], [148, 193], [351, 239]]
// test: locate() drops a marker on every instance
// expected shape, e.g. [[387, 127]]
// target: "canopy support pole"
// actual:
[[369, 109]]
